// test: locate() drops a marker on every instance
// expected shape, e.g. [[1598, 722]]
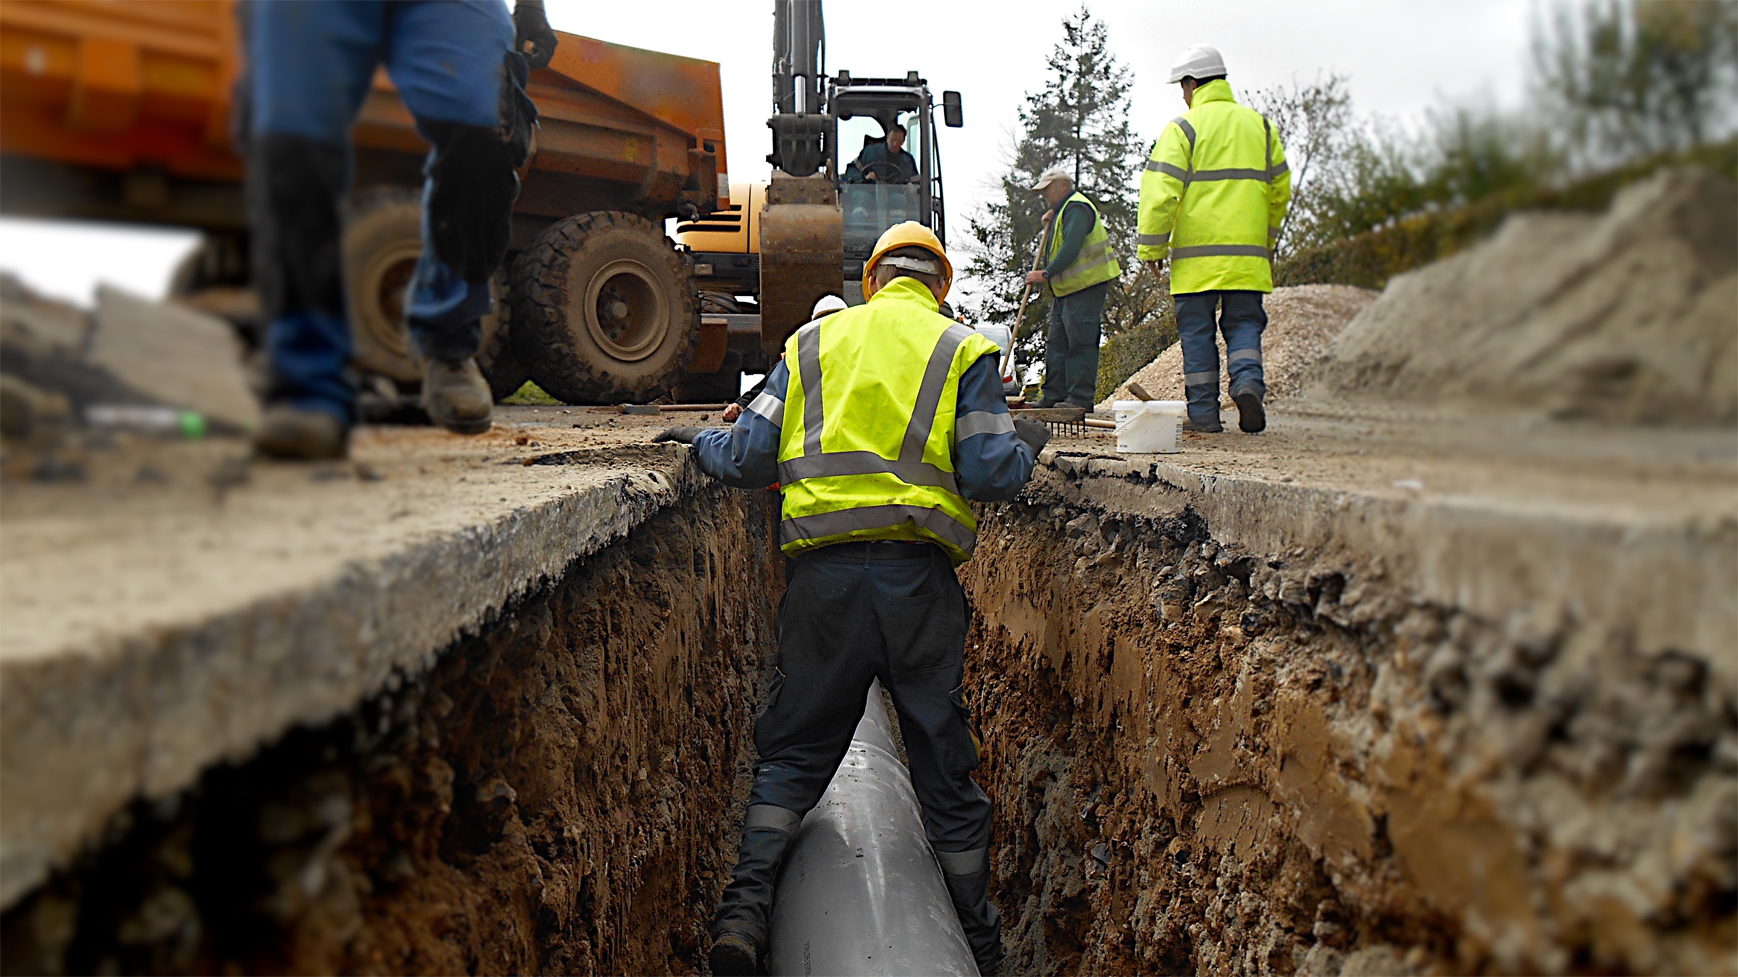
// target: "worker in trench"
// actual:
[[890, 421], [460, 68], [1213, 200], [1079, 269]]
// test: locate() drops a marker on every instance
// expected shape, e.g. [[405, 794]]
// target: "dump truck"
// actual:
[[128, 113], [761, 261]]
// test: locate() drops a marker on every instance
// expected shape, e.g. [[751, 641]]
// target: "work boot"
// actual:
[[1251, 417], [744, 917], [1203, 427], [979, 917], [301, 434], [456, 396]]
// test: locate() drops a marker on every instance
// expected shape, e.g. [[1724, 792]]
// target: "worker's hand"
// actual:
[[732, 412], [870, 176], [1155, 267], [1035, 278], [1049, 215], [685, 435], [1035, 435], [532, 36]]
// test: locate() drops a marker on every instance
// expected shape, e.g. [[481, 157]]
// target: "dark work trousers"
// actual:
[[852, 613], [1242, 319], [310, 65], [1071, 346]]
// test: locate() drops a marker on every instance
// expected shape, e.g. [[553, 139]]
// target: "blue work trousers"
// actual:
[[1071, 346], [1241, 318], [309, 67]]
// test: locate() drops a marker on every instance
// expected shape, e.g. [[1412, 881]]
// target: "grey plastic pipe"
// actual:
[[860, 891]]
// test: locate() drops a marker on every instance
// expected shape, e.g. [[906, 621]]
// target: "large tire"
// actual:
[[604, 310], [382, 241]]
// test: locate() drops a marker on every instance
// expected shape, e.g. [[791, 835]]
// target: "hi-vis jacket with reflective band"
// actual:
[[1095, 263], [1213, 196], [866, 450]]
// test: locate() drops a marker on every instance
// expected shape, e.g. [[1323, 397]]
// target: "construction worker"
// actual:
[[460, 69], [1213, 198], [876, 474], [1079, 271], [885, 161], [825, 306]]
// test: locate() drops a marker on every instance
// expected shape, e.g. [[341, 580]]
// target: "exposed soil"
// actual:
[[1210, 760], [559, 793]]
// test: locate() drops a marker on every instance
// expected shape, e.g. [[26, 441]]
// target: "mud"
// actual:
[[1213, 759], [558, 792]]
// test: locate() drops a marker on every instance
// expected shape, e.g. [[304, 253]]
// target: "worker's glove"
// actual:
[[531, 27], [685, 435], [1035, 435]]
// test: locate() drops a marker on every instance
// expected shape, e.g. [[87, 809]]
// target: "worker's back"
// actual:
[[869, 421]]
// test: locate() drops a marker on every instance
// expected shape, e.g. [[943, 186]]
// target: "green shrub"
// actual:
[[1125, 353], [530, 395]]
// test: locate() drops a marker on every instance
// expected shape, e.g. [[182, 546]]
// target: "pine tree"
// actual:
[[1079, 121]]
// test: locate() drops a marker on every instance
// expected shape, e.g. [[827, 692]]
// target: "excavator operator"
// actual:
[[876, 477], [461, 69], [885, 161]]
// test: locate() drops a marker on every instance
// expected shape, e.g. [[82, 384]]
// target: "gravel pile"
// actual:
[[1301, 322]]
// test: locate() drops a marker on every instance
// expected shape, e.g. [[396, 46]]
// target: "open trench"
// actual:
[[1204, 759]]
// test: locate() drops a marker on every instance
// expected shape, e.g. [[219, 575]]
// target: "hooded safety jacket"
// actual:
[[1213, 196]]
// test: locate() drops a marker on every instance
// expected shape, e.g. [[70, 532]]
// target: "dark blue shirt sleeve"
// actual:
[[745, 455], [990, 463]]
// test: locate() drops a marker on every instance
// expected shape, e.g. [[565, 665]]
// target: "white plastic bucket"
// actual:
[[1148, 426]]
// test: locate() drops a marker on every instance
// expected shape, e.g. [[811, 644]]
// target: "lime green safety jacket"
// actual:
[[1214, 195], [1095, 262], [866, 449]]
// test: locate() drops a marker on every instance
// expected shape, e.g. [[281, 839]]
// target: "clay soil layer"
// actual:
[[554, 795], [1213, 758]]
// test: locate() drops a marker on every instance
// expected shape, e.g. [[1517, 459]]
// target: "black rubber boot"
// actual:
[[979, 917], [739, 928], [1251, 416]]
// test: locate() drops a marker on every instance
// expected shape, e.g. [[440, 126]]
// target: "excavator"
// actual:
[[761, 262]]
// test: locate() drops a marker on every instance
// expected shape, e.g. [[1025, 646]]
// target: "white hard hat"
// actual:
[[1051, 175], [1201, 61], [826, 304]]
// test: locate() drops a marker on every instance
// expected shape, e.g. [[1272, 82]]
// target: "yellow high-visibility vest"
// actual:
[[1095, 264], [866, 447], [1214, 195]]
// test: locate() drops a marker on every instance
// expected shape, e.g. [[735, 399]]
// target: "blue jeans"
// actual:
[[1071, 346], [310, 65], [1241, 318]]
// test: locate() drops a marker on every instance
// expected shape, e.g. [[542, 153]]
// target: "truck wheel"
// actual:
[[604, 310], [382, 240], [381, 243]]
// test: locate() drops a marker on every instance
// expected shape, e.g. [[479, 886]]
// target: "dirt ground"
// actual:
[[557, 794]]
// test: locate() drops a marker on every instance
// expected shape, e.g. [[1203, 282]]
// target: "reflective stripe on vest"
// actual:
[[1094, 264], [855, 491]]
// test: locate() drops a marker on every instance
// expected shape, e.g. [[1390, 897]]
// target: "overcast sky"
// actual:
[[1402, 56]]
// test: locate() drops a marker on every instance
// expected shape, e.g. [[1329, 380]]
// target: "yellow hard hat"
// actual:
[[908, 234]]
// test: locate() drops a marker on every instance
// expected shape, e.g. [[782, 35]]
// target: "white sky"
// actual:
[[1403, 56]]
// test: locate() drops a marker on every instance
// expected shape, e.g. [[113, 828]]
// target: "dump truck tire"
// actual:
[[604, 310], [381, 242]]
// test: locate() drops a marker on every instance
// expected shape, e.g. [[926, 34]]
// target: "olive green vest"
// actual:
[[866, 450], [1095, 263]]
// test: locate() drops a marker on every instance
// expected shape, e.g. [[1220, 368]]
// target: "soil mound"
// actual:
[[1629, 317], [1301, 321]]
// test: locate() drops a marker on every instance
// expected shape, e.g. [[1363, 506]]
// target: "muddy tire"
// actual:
[[495, 356], [382, 240], [604, 310]]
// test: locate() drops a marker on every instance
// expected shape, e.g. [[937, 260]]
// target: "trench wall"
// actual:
[[1224, 742], [557, 792]]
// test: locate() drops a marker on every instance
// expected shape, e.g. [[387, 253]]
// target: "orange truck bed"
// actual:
[[122, 112]]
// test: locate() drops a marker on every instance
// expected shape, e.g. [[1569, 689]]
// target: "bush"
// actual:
[[1124, 354], [1368, 260]]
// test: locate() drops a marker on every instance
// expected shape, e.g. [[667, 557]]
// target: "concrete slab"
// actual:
[[173, 355], [151, 627]]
